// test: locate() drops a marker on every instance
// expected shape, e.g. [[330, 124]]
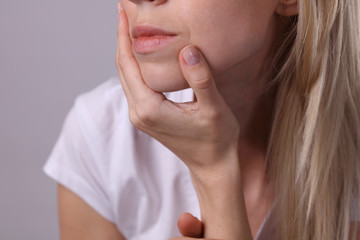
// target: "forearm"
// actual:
[[222, 204]]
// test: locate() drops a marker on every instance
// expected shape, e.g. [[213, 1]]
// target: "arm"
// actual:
[[222, 205], [203, 134], [79, 221], [223, 210]]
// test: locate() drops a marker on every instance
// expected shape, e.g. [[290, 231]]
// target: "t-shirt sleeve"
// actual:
[[72, 164]]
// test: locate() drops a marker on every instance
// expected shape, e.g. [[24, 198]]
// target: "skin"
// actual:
[[235, 45], [222, 135], [78, 220], [229, 84]]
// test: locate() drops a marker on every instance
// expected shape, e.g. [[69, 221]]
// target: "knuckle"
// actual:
[[211, 120], [202, 80], [146, 114], [143, 116], [122, 61], [135, 121], [215, 116]]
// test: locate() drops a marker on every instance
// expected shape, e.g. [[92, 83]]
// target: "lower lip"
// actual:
[[151, 44]]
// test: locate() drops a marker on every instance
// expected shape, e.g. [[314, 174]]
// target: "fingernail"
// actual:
[[191, 56], [119, 7]]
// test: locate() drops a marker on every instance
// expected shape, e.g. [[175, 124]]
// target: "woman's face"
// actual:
[[229, 33]]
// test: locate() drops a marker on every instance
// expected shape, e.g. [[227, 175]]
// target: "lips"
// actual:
[[149, 39]]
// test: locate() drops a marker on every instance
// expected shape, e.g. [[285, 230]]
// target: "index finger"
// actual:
[[128, 63]]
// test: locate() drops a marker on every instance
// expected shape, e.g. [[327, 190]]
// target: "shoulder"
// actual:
[[101, 100], [119, 171], [100, 130]]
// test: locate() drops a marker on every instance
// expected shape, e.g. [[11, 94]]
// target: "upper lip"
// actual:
[[149, 31]]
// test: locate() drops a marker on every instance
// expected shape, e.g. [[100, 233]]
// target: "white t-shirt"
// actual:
[[125, 175]]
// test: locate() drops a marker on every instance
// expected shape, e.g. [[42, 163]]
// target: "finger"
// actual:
[[189, 238], [186, 238], [119, 6], [198, 75], [121, 76], [128, 63], [190, 226]]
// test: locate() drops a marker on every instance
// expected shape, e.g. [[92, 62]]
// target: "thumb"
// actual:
[[198, 75], [190, 226]]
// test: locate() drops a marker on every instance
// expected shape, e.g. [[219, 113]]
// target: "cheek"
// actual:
[[225, 45], [223, 54]]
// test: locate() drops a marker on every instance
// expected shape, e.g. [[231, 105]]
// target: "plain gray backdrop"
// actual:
[[50, 52]]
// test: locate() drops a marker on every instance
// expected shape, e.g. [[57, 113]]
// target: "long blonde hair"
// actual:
[[314, 149]]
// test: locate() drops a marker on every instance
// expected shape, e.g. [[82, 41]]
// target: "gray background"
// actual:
[[50, 51]]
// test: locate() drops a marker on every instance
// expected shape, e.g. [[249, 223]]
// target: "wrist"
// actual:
[[224, 171], [214, 189], [221, 202], [218, 184]]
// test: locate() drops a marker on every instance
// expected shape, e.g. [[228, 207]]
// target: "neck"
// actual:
[[252, 105], [246, 90], [252, 102]]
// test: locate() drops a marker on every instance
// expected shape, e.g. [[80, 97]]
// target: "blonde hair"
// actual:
[[314, 149]]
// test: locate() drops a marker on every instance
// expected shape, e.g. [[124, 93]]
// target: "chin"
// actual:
[[163, 77]]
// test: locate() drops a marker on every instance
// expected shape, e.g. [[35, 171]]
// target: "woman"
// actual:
[[271, 137]]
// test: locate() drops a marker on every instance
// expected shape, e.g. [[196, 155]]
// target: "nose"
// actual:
[[155, 2]]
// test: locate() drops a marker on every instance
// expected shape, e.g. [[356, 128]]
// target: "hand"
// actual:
[[202, 133], [190, 227]]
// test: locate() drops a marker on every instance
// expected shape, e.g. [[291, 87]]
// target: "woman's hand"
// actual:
[[203, 134], [190, 226]]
